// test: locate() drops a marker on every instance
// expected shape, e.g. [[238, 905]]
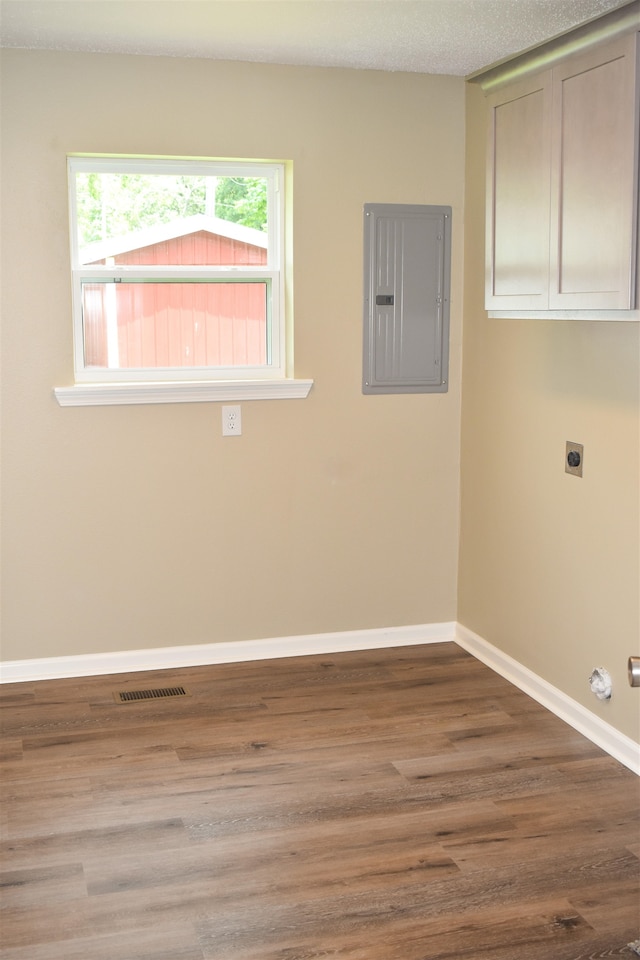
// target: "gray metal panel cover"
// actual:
[[407, 269]]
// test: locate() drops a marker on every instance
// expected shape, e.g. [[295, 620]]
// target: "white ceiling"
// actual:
[[455, 37]]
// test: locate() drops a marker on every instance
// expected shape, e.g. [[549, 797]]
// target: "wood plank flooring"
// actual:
[[403, 804]]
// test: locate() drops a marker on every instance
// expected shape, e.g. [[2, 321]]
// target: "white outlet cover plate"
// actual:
[[231, 421]]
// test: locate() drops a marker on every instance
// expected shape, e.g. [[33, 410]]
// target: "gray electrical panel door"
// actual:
[[407, 279]]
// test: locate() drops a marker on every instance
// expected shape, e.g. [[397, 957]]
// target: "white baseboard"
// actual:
[[622, 748], [616, 744], [167, 658]]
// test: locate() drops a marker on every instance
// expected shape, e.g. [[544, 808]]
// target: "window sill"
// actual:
[[197, 391]]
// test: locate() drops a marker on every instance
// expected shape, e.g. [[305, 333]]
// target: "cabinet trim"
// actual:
[[608, 315], [546, 55]]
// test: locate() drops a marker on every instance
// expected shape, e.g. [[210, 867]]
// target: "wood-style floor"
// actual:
[[403, 804]]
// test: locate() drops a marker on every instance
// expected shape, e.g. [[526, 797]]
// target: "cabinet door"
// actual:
[[594, 179], [518, 171]]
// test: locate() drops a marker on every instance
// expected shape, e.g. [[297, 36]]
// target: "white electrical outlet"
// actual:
[[231, 421]]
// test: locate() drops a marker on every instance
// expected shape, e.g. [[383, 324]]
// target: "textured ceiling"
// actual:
[[427, 36]]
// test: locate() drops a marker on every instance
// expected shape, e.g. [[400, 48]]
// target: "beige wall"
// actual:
[[134, 527], [549, 564]]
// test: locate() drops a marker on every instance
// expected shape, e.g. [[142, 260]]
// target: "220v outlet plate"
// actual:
[[574, 458]]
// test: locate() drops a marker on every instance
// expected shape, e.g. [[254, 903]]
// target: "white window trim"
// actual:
[[193, 391], [93, 387]]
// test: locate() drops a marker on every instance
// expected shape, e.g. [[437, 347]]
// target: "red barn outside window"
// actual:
[[177, 269]]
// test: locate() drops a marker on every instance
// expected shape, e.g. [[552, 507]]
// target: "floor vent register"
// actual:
[[162, 693]]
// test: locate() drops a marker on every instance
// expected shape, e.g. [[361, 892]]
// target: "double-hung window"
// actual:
[[178, 274]]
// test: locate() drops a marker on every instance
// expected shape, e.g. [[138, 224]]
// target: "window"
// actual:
[[178, 276]]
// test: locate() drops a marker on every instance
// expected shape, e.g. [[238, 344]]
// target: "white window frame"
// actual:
[[159, 385]]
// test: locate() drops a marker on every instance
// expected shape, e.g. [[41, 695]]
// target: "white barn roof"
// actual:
[[180, 227]]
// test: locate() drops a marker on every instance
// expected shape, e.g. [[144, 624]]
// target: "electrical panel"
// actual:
[[407, 284]]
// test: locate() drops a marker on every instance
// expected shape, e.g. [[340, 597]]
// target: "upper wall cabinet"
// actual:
[[562, 187]]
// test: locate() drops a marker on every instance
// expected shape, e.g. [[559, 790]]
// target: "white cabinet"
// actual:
[[562, 186], [518, 214]]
